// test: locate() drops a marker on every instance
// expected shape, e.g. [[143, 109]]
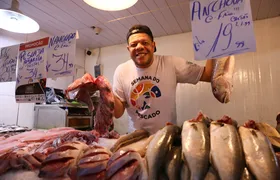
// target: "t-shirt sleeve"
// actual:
[[186, 71], [118, 89]]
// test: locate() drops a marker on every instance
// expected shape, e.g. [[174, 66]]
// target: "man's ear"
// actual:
[[154, 43], [127, 47]]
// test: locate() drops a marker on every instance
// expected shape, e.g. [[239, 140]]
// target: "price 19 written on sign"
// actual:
[[221, 28]]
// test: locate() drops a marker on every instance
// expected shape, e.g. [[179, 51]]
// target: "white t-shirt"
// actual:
[[150, 93]]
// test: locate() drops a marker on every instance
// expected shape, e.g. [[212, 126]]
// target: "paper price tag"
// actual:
[[8, 63], [221, 28], [61, 55]]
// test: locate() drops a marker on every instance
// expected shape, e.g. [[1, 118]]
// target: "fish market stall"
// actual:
[[243, 151], [202, 148]]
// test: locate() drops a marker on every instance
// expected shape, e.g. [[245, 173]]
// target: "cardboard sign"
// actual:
[[31, 69], [221, 28], [61, 55], [8, 63]]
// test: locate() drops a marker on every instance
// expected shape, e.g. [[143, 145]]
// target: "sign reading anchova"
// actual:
[[221, 28]]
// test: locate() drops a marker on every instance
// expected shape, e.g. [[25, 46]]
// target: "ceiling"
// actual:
[[164, 17]]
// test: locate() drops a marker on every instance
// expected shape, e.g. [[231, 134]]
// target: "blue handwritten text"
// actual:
[[61, 41], [199, 11], [29, 57]]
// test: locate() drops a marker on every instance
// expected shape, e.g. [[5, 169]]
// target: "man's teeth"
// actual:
[[140, 55]]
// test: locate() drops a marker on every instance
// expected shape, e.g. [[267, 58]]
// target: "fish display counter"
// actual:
[[201, 149]]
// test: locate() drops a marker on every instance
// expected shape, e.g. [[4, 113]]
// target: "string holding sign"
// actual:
[[221, 28], [8, 63]]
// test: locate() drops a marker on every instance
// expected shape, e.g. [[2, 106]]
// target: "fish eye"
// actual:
[[214, 90]]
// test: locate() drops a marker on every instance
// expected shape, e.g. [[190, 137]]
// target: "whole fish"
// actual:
[[270, 132], [259, 154], [226, 149], [222, 77], [173, 163], [158, 149], [133, 137], [196, 147], [139, 146]]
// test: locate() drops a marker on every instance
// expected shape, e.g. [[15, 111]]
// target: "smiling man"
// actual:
[[146, 84]]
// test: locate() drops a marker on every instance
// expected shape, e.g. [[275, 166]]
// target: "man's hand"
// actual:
[[119, 107]]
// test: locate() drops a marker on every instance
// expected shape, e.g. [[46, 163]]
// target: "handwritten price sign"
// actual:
[[8, 63], [221, 28], [32, 61], [61, 55], [31, 70]]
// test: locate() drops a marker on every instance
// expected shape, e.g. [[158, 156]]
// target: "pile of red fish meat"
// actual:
[[29, 149], [68, 153]]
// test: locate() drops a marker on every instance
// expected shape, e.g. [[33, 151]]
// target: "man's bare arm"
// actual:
[[119, 107]]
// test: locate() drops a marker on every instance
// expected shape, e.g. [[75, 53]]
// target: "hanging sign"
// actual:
[[221, 28], [8, 63], [31, 71], [61, 55]]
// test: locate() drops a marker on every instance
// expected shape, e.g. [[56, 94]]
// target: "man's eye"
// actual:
[[145, 43], [132, 45]]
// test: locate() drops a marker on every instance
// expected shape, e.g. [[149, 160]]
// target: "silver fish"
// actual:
[[133, 137], [139, 146], [158, 149], [222, 76], [196, 148], [259, 154], [173, 163], [226, 151]]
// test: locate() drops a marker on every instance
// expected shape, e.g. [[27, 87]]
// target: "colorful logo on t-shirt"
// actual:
[[142, 94]]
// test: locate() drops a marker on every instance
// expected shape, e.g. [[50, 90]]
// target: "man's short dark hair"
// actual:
[[138, 28]]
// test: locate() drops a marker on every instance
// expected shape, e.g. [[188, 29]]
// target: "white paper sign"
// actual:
[[61, 55], [8, 63], [31, 69], [221, 28]]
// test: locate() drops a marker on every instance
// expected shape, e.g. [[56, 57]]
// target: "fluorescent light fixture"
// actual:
[[13, 20], [111, 5]]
